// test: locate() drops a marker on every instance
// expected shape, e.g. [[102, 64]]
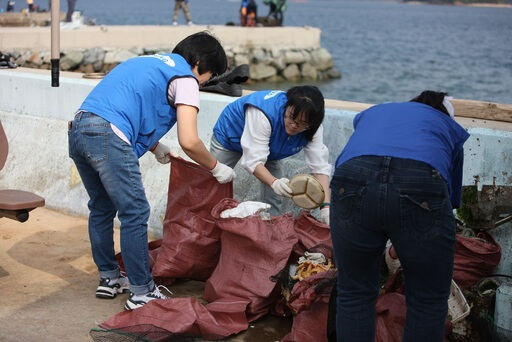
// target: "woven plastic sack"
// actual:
[[167, 320], [474, 259], [253, 250], [191, 241], [312, 233]]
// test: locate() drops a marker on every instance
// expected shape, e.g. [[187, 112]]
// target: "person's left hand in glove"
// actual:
[[162, 153], [324, 215]]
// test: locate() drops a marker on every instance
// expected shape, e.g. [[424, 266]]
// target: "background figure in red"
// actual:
[[248, 13]]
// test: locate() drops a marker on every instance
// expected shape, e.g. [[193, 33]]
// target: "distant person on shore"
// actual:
[[10, 6], [248, 13], [181, 5], [276, 9], [398, 177], [71, 9], [267, 126], [122, 118]]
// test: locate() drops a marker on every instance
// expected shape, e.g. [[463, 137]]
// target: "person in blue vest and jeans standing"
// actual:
[[398, 177], [267, 126], [122, 118]]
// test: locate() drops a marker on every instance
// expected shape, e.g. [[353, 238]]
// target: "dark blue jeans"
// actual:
[[375, 198], [110, 171]]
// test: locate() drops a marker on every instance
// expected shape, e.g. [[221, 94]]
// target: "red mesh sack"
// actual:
[[312, 233], [310, 300], [164, 320], [253, 250], [191, 241], [474, 259]]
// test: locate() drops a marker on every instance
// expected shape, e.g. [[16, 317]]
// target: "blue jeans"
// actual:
[[376, 198], [110, 171]]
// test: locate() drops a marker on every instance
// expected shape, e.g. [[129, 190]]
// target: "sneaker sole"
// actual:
[[132, 306], [109, 293]]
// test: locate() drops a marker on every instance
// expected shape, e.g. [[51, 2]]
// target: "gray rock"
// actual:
[[93, 55], [333, 73], [260, 57], [309, 72], [261, 71], [296, 57], [278, 63], [291, 72], [241, 59], [109, 57], [71, 60], [35, 59], [122, 55], [321, 58], [138, 50]]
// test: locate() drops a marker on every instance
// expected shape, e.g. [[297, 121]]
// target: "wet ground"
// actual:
[[48, 279]]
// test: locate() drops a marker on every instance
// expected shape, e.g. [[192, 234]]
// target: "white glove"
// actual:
[[245, 209], [162, 153], [223, 173], [324, 215], [281, 187]]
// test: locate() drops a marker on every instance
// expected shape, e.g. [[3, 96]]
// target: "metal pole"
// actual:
[[55, 58]]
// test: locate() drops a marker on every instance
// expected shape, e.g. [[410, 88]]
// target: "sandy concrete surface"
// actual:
[[48, 281]]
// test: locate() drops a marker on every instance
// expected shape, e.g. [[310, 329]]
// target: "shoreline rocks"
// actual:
[[266, 64]]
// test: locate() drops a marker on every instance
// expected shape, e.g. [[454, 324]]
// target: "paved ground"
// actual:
[[48, 278]]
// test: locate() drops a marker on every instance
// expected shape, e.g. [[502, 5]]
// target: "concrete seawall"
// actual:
[[35, 117], [273, 53]]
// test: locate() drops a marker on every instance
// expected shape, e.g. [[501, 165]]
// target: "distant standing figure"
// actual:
[[10, 6], [71, 9], [277, 7], [248, 13], [181, 4]]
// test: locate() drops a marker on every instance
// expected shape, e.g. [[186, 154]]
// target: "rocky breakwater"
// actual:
[[266, 64]]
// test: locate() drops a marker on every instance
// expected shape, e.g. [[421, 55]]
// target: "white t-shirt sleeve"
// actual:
[[184, 90], [317, 154], [255, 139]]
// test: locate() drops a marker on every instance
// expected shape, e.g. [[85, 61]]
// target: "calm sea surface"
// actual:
[[386, 51]]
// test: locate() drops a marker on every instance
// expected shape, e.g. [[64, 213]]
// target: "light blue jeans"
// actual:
[[231, 158], [110, 171]]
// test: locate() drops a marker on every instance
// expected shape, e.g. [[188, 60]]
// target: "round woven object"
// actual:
[[307, 191]]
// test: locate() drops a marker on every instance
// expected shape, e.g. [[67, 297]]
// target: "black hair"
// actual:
[[310, 101], [433, 99], [204, 48]]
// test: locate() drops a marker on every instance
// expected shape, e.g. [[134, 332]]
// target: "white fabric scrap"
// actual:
[[315, 258], [448, 105], [245, 209]]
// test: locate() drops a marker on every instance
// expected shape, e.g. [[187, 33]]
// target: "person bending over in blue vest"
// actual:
[[398, 177], [267, 126], [122, 118]]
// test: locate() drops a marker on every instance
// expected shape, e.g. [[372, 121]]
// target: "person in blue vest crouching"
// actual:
[[267, 126], [398, 177], [122, 118]]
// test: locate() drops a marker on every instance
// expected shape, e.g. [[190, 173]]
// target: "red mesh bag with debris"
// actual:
[[312, 233], [253, 250], [309, 300], [170, 319], [191, 241], [475, 258]]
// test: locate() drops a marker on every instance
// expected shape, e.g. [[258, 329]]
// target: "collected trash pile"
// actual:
[[253, 266]]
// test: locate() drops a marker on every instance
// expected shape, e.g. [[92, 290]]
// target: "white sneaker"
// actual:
[[190, 23], [175, 23], [109, 288], [138, 301]]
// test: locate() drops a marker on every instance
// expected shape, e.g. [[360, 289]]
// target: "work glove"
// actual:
[[162, 153], [223, 173], [324, 215], [281, 187]]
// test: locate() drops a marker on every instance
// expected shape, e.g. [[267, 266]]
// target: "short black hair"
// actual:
[[433, 99], [310, 101], [204, 48]]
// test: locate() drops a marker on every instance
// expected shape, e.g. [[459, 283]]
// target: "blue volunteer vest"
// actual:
[[230, 125], [133, 97]]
